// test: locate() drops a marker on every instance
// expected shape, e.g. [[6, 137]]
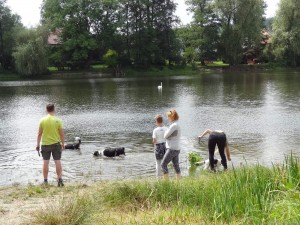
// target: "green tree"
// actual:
[[286, 28], [204, 30], [9, 26], [188, 39], [31, 53], [147, 32], [140, 31], [71, 17], [241, 25], [111, 58]]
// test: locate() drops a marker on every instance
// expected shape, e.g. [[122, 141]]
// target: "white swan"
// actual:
[[160, 86]]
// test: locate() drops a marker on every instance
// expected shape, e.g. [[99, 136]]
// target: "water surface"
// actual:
[[260, 114]]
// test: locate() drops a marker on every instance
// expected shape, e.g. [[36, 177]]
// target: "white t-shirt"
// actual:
[[158, 134]]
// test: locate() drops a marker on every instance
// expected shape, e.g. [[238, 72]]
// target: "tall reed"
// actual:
[[246, 193]]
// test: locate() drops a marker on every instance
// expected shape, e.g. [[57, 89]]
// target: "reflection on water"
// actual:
[[259, 112]]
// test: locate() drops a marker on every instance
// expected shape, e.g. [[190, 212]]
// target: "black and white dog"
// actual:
[[75, 145], [206, 164], [110, 152]]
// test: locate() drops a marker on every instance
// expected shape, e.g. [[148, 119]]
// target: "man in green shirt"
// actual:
[[52, 136]]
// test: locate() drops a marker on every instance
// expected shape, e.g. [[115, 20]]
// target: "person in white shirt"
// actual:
[[159, 142], [172, 136]]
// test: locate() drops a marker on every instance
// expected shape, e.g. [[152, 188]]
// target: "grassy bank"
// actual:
[[248, 195], [101, 71], [9, 76], [165, 71]]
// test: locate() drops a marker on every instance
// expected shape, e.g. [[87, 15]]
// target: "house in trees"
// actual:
[[54, 38], [253, 54]]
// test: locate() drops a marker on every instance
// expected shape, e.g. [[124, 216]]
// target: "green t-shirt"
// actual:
[[50, 125]]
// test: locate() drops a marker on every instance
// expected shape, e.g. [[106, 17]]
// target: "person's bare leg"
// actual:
[[46, 169], [58, 168]]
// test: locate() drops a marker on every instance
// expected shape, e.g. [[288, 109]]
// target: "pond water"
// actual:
[[259, 112]]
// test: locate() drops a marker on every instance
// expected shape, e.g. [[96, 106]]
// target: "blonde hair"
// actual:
[[158, 118], [173, 115]]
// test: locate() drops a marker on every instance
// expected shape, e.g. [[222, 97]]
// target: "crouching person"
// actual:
[[217, 138]]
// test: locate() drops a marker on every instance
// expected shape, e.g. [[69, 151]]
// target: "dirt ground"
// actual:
[[16, 209], [19, 203]]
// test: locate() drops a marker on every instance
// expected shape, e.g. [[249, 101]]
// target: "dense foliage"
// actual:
[[140, 31], [223, 29], [286, 46], [147, 33], [9, 26], [31, 53]]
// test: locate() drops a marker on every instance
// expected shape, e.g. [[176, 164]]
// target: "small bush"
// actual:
[[194, 157], [111, 58], [69, 211]]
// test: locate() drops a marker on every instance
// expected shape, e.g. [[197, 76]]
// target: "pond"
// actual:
[[260, 114]]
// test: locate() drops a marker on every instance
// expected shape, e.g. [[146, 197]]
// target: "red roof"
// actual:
[[266, 41], [53, 38]]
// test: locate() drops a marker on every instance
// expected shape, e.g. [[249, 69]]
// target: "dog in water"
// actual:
[[75, 145], [206, 164], [110, 152]]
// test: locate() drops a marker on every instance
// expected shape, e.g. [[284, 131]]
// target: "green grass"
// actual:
[[69, 211], [248, 195], [8, 76], [218, 64], [99, 66], [92, 68], [165, 71], [55, 69]]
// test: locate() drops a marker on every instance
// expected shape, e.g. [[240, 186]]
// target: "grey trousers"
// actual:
[[158, 167], [171, 155]]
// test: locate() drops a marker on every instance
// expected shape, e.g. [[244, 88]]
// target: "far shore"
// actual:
[[175, 71]]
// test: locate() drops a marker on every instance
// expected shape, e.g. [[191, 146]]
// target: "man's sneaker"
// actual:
[[45, 183], [60, 183]]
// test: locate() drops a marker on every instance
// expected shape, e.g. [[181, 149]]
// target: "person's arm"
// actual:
[[154, 141], [208, 131], [39, 137], [170, 131], [62, 138], [227, 151]]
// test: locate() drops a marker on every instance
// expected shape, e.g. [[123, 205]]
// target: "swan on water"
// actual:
[[160, 86]]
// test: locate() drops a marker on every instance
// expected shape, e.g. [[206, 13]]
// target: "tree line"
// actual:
[[147, 33]]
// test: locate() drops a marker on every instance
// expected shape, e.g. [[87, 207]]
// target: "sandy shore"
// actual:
[[15, 209]]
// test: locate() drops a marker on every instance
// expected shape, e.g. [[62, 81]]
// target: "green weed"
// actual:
[[194, 157]]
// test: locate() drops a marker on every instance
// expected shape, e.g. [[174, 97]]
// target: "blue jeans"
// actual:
[[171, 155]]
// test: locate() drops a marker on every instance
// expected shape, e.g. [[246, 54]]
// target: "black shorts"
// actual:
[[54, 149]]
